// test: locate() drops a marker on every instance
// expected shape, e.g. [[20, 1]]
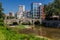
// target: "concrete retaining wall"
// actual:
[[51, 23]]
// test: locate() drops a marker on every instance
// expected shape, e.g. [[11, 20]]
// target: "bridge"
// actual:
[[18, 21], [11, 21], [30, 20]]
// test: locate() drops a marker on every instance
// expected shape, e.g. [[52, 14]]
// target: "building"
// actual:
[[20, 12], [27, 14], [43, 15], [11, 14], [36, 10]]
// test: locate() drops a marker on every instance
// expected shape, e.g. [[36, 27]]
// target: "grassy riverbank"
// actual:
[[9, 34], [20, 26]]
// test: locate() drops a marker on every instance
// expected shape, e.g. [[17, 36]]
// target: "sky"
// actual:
[[12, 5]]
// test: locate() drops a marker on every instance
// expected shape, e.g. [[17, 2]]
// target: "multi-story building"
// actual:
[[36, 10], [11, 14], [43, 15], [20, 11], [27, 14]]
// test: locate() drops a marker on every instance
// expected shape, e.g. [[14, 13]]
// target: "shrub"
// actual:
[[1, 22]]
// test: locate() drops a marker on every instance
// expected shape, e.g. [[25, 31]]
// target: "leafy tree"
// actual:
[[1, 15], [48, 10], [57, 7], [52, 9], [1, 11]]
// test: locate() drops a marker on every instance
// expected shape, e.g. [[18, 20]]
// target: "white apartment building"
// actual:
[[21, 11]]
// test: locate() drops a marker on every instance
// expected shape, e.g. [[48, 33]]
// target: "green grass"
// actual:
[[1, 22], [20, 26], [9, 34], [2, 37]]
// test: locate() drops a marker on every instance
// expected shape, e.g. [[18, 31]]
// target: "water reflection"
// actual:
[[53, 33]]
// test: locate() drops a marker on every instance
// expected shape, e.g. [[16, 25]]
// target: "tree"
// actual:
[[1, 11], [48, 10], [52, 9]]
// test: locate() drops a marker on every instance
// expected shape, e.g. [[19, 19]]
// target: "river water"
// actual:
[[53, 33]]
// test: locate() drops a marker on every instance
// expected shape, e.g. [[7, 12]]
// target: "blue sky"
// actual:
[[12, 5]]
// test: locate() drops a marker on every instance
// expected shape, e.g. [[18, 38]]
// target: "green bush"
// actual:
[[1, 22]]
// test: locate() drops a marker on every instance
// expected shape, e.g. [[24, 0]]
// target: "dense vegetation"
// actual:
[[1, 22], [1, 11], [52, 9], [9, 34], [1, 15]]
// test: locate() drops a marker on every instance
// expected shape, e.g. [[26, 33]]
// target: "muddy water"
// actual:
[[53, 33]]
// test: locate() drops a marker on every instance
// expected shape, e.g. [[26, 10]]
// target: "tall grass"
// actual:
[[9, 34]]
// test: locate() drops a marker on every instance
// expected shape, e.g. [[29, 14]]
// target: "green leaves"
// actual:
[[1, 22], [52, 9], [1, 11], [2, 37]]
